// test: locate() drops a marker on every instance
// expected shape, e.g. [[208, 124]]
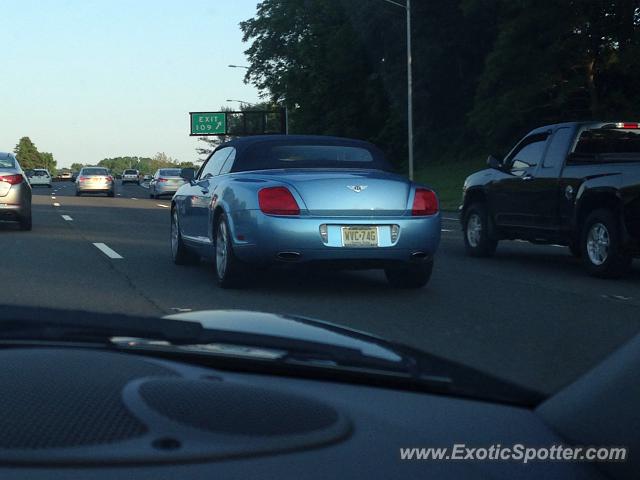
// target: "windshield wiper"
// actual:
[[33, 324], [217, 338]]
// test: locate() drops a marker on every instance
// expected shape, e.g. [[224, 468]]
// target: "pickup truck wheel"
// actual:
[[602, 250], [477, 238], [230, 272], [410, 276]]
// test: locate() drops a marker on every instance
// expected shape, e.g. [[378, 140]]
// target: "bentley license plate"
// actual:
[[360, 236]]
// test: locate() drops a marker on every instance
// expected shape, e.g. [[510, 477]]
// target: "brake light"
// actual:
[[425, 202], [277, 201], [161, 179], [11, 179], [627, 125], [83, 179], [110, 178]]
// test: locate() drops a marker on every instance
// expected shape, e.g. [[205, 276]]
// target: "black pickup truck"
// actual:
[[574, 184]]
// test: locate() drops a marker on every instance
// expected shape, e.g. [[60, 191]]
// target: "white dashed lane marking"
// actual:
[[109, 252], [56, 204], [67, 218]]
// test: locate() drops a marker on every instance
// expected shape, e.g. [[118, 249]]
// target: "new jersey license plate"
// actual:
[[360, 236]]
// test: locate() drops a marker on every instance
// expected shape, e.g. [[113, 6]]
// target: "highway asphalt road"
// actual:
[[529, 315]]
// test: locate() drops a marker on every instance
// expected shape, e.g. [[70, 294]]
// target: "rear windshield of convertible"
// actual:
[[274, 155]]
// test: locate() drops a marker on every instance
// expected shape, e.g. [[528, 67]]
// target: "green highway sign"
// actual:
[[237, 124], [208, 123]]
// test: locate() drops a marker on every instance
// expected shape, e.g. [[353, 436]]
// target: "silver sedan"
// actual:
[[166, 181], [15, 192], [95, 180]]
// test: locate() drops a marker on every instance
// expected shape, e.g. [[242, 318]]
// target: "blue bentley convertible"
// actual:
[[270, 199]]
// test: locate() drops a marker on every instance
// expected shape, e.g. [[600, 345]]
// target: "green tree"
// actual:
[[312, 57], [27, 153], [47, 161], [76, 167], [484, 71], [558, 61]]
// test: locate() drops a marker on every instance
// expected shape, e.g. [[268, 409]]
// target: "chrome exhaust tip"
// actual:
[[288, 256]]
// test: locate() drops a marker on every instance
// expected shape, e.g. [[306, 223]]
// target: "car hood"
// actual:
[[293, 328]]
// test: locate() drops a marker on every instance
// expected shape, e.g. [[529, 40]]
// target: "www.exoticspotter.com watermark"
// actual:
[[516, 453]]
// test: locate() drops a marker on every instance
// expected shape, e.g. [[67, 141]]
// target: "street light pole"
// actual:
[[407, 7]]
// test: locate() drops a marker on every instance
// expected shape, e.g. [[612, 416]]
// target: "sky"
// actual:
[[89, 79]]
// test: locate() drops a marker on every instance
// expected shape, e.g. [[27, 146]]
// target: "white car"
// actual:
[[40, 176], [131, 176]]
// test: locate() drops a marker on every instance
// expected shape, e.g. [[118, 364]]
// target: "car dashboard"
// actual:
[[94, 413]]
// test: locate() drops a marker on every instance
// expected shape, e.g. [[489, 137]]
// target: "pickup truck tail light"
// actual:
[[11, 179], [628, 125], [277, 201], [425, 203]]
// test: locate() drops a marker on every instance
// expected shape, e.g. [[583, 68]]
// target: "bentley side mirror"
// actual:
[[188, 174]]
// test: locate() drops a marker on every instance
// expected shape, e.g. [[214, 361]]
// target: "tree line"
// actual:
[[484, 71], [146, 165]]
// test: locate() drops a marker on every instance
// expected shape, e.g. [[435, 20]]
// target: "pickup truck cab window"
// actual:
[[608, 141], [528, 154], [558, 148]]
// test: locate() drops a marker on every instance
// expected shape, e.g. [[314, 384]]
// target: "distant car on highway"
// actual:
[[66, 175], [39, 176], [274, 199], [131, 176], [166, 181], [95, 180], [15, 192], [573, 184], [147, 178]]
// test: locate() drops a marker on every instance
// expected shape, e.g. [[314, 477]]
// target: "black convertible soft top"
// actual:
[[266, 152]]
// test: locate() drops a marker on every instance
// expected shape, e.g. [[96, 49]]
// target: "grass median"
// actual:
[[446, 178]]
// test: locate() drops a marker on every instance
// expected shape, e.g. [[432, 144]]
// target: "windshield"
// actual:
[[274, 155], [607, 141], [94, 171], [174, 172], [302, 158], [7, 162]]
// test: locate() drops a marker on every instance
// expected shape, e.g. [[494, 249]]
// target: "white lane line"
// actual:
[[56, 204], [446, 230], [449, 218], [559, 246], [161, 205], [133, 198], [67, 218], [119, 194], [52, 197], [107, 251]]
